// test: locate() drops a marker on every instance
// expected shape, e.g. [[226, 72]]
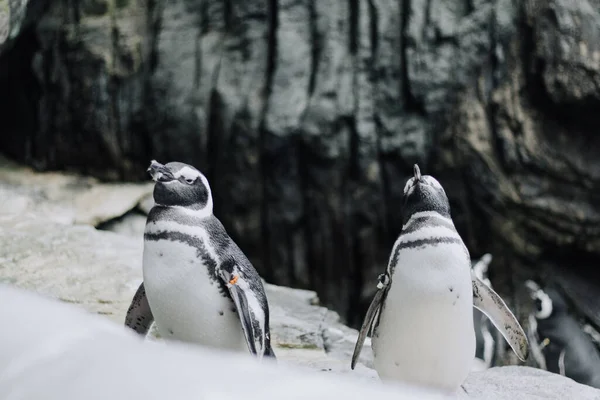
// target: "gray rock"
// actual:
[[97, 270], [66, 198], [77, 355], [505, 383], [15, 17], [131, 224]]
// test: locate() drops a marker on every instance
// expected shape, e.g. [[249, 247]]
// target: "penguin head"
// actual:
[[179, 184], [547, 302], [480, 268], [423, 193]]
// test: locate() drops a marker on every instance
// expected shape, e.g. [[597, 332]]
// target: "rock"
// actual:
[[111, 363], [299, 323], [131, 224], [97, 270], [66, 198], [15, 17], [505, 383], [307, 117]]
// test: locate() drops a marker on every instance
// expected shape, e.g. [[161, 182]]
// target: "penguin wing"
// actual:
[[139, 316], [372, 312], [250, 305], [491, 304]]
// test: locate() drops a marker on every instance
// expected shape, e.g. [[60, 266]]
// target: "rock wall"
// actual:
[[307, 115]]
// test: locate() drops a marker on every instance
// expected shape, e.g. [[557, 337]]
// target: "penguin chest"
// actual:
[[187, 300], [425, 333]]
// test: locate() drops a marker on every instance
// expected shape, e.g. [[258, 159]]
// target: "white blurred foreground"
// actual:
[[51, 350]]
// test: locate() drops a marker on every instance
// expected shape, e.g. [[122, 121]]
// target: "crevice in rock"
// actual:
[[19, 105], [74, 5], [351, 316], [273, 21], [490, 107], [113, 92], [113, 224], [315, 46], [198, 61], [427, 19], [411, 104], [353, 25], [228, 15], [312, 270], [374, 34], [385, 181], [214, 126], [469, 7]]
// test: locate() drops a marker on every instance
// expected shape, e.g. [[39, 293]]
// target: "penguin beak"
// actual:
[[532, 288], [159, 172], [417, 173]]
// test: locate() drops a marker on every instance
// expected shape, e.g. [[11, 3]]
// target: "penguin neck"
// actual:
[[426, 215], [200, 213]]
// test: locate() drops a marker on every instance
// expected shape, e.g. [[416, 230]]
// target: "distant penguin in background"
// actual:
[[484, 331], [560, 342], [198, 286], [421, 316]]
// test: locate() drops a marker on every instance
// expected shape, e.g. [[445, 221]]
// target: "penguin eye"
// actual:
[[190, 181], [538, 305]]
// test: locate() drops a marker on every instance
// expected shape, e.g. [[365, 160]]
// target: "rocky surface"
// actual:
[[109, 362], [98, 271], [78, 265], [17, 16], [306, 117], [68, 198]]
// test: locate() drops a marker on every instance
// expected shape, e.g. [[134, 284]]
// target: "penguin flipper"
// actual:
[[486, 300], [372, 312], [253, 315], [139, 316]]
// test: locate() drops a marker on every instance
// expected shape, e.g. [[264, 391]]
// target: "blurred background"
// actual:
[[307, 116]]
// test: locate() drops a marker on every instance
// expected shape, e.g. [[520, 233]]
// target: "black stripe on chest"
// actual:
[[427, 222], [216, 232], [413, 244], [201, 253], [421, 223]]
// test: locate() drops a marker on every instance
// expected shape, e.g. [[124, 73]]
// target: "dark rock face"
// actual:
[[307, 116], [15, 17]]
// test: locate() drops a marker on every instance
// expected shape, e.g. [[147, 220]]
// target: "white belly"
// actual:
[[426, 335], [185, 302]]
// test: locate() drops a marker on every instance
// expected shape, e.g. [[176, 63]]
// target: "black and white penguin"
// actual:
[[561, 343], [198, 286], [422, 316]]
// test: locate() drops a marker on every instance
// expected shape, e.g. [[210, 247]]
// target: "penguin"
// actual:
[[484, 334], [562, 344], [198, 286], [421, 315]]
